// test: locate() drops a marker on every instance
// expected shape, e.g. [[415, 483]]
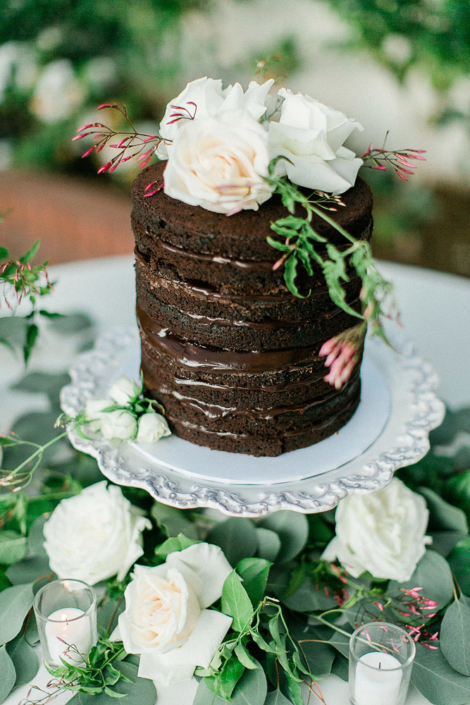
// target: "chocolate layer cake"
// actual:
[[226, 348]]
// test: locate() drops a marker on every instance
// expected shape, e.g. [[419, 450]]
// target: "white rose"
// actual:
[[382, 532], [219, 164], [124, 390], [118, 424], [166, 620], [94, 412], [311, 136], [205, 98], [152, 427], [95, 535]]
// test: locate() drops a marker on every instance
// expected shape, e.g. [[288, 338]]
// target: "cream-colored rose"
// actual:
[[311, 135], [205, 98], [95, 535], [166, 620], [219, 163], [152, 427], [124, 390], [119, 425], [382, 532]]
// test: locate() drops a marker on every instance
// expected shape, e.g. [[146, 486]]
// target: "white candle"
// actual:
[[376, 682], [67, 625]]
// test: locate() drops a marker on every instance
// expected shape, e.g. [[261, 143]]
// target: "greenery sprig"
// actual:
[[302, 245]]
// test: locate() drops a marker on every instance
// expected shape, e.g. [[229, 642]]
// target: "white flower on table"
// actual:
[[166, 619], [152, 427], [219, 163], [94, 535], [382, 532], [205, 98], [311, 135]]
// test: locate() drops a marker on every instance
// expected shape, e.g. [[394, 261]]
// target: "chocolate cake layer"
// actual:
[[226, 348]]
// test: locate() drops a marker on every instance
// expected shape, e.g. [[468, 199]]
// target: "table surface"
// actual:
[[435, 310]]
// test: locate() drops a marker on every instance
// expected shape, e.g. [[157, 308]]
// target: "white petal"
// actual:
[[177, 693], [205, 568], [178, 665], [134, 550]]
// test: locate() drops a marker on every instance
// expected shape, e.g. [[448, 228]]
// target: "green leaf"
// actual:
[[444, 516], [15, 603], [254, 572], [173, 521], [290, 275], [236, 603], [236, 537], [340, 667], [32, 332], [43, 383], [269, 544], [292, 529], [437, 680], [71, 323], [275, 697], [30, 254], [36, 537], [444, 541], [251, 690], [25, 660], [245, 657], [433, 575], [50, 314], [309, 598], [8, 674], [175, 543], [139, 691], [459, 562], [4, 253], [223, 684], [319, 656], [28, 570], [13, 547], [454, 637]]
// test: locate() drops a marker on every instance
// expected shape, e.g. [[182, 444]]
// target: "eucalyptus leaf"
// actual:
[[340, 667], [454, 637], [13, 547], [251, 690], [432, 574], [71, 323], [29, 570], [254, 572], [15, 603], [459, 562], [236, 603], [444, 516], [292, 529], [444, 541], [7, 673], [275, 697], [173, 521], [236, 537], [310, 598], [25, 660], [108, 615], [269, 544], [36, 537], [43, 383], [437, 680], [312, 644]]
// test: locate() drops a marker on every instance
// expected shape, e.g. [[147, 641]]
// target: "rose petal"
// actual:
[[205, 567]]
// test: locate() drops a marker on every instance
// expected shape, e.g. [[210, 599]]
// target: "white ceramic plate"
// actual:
[[389, 430]]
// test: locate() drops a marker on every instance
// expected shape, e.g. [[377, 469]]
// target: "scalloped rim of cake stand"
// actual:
[[415, 411]]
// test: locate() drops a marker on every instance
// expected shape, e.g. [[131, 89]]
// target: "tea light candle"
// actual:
[[70, 625], [376, 681]]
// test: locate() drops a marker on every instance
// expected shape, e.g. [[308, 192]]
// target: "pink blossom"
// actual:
[[342, 354]]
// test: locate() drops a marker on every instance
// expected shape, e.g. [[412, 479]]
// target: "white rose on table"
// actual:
[[219, 163], [152, 427], [95, 535], [166, 619], [311, 136], [205, 98], [124, 391], [382, 532]]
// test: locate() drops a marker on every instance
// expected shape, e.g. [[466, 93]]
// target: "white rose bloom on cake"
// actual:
[[311, 135], [219, 163], [382, 532], [205, 98], [95, 535], [166, 619]]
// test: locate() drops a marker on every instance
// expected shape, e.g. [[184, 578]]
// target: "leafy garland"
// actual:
[[284, 599]]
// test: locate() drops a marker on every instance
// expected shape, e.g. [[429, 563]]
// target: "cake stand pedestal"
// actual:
[[389, 430]]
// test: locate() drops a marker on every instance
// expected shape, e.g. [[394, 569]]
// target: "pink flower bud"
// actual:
[[105, 105], [401, 176], [89, 151]]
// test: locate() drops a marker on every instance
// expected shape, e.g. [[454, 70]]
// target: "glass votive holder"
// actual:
[[66, 617], [380, 661]]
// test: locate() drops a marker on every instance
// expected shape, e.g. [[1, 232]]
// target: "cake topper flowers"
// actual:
[[229, 150]]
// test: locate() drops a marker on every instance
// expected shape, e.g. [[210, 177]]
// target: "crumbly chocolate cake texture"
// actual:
[[228, 350]]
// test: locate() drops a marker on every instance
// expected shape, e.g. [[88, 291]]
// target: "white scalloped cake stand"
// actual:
[[389, 430]]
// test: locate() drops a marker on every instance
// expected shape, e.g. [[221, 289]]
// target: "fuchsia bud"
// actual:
[[80, 137], [105, 105], [401, 176], [89, 151]]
